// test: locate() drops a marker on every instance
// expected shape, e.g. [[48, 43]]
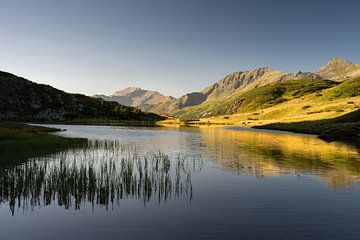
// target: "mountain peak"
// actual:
[[128, 90], [339, 69], [134, 88], [339, 60], [146, 100]]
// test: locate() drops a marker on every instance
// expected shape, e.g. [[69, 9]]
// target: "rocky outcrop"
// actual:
[[234, 82], [244, 81]]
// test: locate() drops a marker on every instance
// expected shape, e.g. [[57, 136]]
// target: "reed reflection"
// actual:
[[102, 173]]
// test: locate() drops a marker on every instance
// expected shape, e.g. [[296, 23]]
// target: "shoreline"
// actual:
[[327, 131], [19, 141]]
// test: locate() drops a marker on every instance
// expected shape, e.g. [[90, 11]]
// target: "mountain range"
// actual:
[[232, 85]]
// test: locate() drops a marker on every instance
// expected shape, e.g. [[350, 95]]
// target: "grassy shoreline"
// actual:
[[328, 132], [96, 121], [19, 142], [340, 127], [21, 131], [345, 127], [105, 122]]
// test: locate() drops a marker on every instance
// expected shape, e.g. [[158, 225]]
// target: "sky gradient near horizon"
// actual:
[[174, 47]]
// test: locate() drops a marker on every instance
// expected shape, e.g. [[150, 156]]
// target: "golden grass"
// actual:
[[307, 108]]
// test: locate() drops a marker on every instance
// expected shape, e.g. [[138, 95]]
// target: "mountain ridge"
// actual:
[[337, 69]]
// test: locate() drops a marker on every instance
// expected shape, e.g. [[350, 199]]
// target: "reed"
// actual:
[[101, 173]]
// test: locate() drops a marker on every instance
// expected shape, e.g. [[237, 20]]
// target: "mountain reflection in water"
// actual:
[[265, 154]]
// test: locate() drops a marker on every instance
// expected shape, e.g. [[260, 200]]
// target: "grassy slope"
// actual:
[[258, 98], [310, 113], [345, 126]]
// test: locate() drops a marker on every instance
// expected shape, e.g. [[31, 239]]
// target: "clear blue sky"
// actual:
[[171, 46]]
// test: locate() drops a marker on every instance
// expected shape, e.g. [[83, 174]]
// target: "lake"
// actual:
[[184, 183]]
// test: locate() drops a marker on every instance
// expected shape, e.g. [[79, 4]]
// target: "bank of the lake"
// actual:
[[105, 122], [345, 127], [19, 141], [326, 130]]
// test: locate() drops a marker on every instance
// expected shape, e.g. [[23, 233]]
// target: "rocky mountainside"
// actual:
[[339, 69], [244, 81], [23, 100]]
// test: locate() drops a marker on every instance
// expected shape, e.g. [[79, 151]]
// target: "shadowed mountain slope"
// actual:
[[23, 100]]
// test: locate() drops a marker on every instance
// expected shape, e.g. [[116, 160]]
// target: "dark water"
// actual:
[[190, 183]]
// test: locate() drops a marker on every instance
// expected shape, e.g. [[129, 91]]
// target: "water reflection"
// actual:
[[102, 173], [265, 154]]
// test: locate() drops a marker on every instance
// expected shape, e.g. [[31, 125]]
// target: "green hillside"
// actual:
[[258, 98], [272, 94], [23, 100], [349, 88], [329, 109]]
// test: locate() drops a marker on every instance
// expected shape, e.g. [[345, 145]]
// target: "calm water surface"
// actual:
[[187, 183]]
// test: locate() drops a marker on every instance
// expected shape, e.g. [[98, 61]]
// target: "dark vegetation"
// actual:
[[349, 88], [18, 131], [19, 142], [23, 100]]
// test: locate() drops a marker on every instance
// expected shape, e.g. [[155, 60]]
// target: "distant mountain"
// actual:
[[136, 97], [23, 100], [339, 69]]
